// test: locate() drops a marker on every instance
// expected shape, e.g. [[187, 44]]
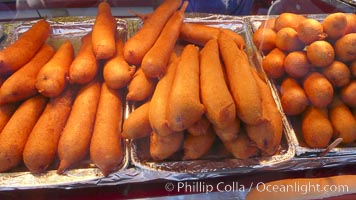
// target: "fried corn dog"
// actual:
[[21, 84], [184, 107], [41, 147], [6, 112], [117, 73], [268, 134], [75, 139], [200, 34], [52, 78], [155, 61], [138, 45], [159, 101], [140, 87], [84, 66], [103, 33], [137, 124], [194, 147], [162, 147], [106, 149], [230, 132], [242, 147], [243, 86], [215, 95], [14, 135], [26, 45], [201, 127]]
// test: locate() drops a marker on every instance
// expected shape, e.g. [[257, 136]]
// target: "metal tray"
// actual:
[[71, 28], [217, 161], [341, 154]]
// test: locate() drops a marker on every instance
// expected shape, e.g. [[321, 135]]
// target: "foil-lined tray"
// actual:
[[63, 28], [341, 154], [137, 166], [217, 159]]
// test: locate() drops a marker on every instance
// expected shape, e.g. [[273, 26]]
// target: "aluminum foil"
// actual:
[[71, 28], [218, 160], [340, 155]]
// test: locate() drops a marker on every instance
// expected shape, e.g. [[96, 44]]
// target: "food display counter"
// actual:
[[192, 152]]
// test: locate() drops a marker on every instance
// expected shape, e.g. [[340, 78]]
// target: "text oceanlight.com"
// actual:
[[302, 188], [296, 187]]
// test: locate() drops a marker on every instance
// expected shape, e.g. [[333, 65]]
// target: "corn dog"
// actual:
[[268, 134], [197, 34], [138, 45], [262, 135], [6, 112], [14, 135], [117, 73], [215, 95], [237, 38], [140, 87], [105, 147], [200, 34], [41, 146], [75, 139], [158, 105], [84, 66], [103, 33], [342, 120], [242, 147], [137, 124], [195, 147], [184, 107], [21, 84], [201, 127], [230, 132], [155, 61], [26, 45], [51, 79], [243, 86], [162, 147]]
